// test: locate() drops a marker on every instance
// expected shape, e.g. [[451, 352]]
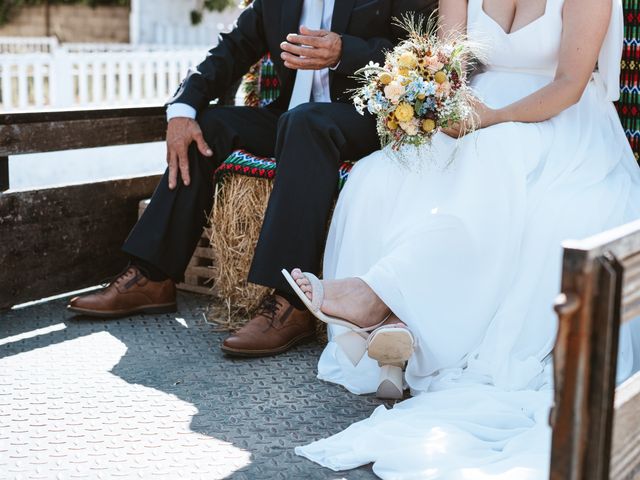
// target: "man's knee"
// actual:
[[212, 119], [304, 117]]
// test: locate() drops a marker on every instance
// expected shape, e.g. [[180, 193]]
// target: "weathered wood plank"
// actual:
[[604, 355], [631, 292], [626, 430], [585, 367], [622, 242], [4, 173], [65, 115], [57, 131], [60, 239], [571, 357]]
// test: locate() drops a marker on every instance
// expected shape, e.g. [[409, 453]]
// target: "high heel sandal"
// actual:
[[353, 343], [392, 346]]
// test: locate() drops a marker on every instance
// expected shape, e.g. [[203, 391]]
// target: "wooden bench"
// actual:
[[596, 426], [55, 240]]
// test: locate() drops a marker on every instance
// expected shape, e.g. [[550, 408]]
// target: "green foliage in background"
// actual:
[[211, 5], [9, 7]]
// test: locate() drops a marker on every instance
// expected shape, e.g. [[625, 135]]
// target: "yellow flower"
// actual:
[[421, 96], [385, 78], [428, 125], [403, 71], [392, 124], [408, 60], [404, 112], [440, 77]]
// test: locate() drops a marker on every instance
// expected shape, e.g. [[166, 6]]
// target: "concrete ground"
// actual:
[[154, 397]]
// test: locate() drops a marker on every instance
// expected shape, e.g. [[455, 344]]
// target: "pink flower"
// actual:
[[394, 91], [443, 89], [433, 64]]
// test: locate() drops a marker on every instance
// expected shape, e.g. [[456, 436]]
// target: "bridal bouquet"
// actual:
[[420, 88]]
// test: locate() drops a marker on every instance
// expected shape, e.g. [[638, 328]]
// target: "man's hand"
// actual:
[[182, 132], [311, 49]]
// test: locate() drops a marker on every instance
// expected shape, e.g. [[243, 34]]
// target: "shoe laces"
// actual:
[[128, 276], [269, 308]]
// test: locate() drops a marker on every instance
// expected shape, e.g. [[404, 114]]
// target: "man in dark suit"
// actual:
[[309, 129]]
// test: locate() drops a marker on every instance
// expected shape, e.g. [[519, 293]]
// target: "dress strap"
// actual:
[[554, 5], [474, 8]]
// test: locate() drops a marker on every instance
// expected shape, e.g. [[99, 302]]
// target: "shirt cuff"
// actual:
[[180, 110]]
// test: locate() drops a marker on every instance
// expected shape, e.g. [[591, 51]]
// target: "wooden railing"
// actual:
[[61, 239], [596, 427]]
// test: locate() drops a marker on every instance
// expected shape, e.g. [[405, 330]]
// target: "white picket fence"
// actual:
[[90, 75], [27, 44]]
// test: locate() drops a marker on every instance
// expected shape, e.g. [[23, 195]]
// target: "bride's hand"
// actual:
[[484, 117]]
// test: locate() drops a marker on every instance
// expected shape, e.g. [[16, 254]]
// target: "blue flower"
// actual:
[[427, 105]]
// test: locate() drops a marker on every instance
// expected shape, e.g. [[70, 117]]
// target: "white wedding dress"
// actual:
[[467, 252]]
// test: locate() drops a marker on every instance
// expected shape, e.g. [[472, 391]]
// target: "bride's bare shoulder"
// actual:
[[583, 15]]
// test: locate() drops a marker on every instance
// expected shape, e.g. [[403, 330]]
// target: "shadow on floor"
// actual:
[[264, 406]]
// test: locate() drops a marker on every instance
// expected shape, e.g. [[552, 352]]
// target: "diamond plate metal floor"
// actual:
[[153, 397]]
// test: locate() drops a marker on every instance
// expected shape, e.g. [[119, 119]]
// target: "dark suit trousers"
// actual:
[[309, 142]]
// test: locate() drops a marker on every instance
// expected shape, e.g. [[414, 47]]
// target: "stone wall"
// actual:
[[72, 23]]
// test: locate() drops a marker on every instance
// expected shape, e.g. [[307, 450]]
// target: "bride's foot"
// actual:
[[350, 299]]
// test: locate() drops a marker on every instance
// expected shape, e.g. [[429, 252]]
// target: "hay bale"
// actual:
[[236, 219]]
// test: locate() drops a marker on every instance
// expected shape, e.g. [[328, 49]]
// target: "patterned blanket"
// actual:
[[629, 104], [244, 163]]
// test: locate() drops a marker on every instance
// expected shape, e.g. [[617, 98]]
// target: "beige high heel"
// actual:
[[391, 383], [391, 346]]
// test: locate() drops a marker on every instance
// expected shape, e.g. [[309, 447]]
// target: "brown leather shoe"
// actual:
[[276, 328], [128, 294]]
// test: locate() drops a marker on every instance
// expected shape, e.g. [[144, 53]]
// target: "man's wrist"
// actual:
[[180, 110], [339, 59]]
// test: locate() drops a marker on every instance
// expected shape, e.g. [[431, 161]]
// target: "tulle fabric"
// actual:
[[464, 245]]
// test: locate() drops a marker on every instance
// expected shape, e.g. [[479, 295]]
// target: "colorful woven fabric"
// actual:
[[261, 85], [244, 163], [269, 82], [629, 104]]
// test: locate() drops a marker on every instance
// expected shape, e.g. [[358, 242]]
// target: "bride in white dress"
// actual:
[[467, 254]]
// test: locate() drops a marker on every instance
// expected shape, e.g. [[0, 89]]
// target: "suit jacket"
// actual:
[[365, 26]]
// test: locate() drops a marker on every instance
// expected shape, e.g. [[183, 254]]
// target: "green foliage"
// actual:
[[9, 7], [211, 5]]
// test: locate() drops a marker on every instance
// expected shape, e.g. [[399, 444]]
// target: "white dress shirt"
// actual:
[[320, 91]]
